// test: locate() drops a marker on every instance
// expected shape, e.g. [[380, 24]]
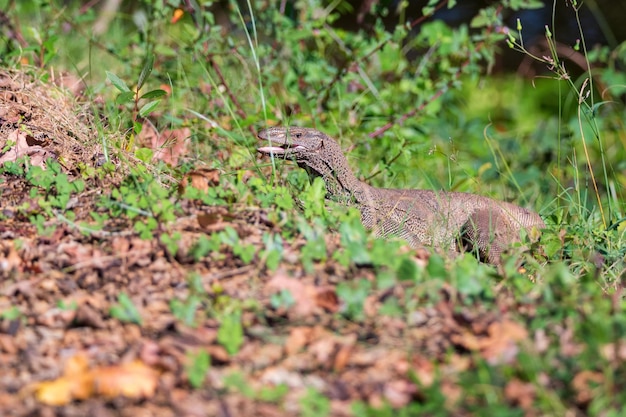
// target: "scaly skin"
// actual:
[[450, 220]]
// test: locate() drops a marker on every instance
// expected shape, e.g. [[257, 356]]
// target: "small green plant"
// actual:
[[12, 313], [207, 245], [270, 196], [125, 310], [315, 247], [353, 240], [57, 190], [245, 252], [314, 404], [230, 333], [197, 366], [133, 97], [185, 310], [282, 299], [63, 305], [273, 252], [171, 242], [237, 381], [145, 200], [353, 295]]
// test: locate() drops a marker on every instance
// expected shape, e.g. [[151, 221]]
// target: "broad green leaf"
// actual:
[[154, 94], [117, 82], [148, 108]]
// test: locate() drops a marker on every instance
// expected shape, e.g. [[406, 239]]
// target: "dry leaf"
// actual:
[[133, 380], [424, 370], [342, 357], [168, 145], [201, 179], [585, 383], [298, 338], [9, 258], [21, 148], [520, 393], [327, 299], [500, 346], [76, 383]]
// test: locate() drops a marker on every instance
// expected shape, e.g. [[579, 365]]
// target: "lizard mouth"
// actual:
[[280, 150]]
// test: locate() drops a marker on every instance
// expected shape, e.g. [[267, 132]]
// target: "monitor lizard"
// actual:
[[453, 221]]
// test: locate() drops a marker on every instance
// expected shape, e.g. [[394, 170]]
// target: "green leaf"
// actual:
[[126, 97], [171, 242], [117, 82], [154, 94], [144, 154], [353, 294], [125, 311], [407, 270], [10, 314], [230, 333], [145, 71], [148, 108], [314, 404], [197, 366]]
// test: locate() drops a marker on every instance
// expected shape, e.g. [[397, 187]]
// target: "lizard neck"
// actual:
[[341, 183]]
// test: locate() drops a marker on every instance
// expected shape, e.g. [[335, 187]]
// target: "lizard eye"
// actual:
[[298, 135]]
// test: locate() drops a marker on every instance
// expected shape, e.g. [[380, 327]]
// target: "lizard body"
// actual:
[[449, 220]]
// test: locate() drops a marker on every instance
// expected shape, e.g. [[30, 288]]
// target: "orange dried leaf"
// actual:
[[75, 384], [63, 390], [178, 13], [326, 298], [520, 393], [501, 343], [586, 384], [201, 179], [298, 338], [133, 380]]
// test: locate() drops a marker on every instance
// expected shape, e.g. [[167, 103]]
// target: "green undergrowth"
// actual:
[[533, 142]]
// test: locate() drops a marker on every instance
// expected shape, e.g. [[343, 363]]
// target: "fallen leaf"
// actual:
[[326, 298], [342, 357], [168, 145], [500, 346], [298, 338], [178, 13], [520, 393], [64, 390], [201, 179], [76, 383], [132, 380], [424, 370], [21, 148], [9, 258], [586, 383]]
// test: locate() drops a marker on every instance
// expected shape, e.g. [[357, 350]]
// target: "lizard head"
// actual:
[[312, 150], [297, 142]]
